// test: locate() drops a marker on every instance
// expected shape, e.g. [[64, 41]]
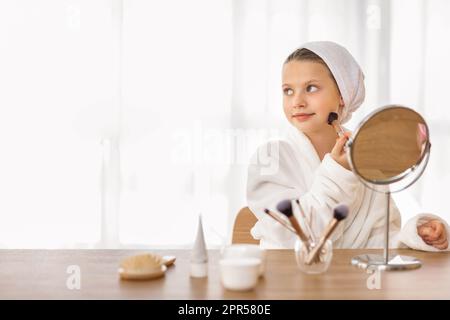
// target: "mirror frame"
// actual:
[[424, 157]]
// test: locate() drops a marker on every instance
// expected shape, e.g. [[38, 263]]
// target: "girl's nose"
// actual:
[[298, 101]]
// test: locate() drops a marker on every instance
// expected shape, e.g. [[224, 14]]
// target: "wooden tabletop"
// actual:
[[42, 274]]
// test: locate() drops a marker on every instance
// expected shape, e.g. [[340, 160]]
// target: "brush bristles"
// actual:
[[141, 262], [285, 207], [340, 212], [331, 117]]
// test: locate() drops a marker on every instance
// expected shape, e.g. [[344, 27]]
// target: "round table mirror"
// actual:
[[389, 151]]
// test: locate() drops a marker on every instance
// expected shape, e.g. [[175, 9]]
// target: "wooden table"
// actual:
[[42, 274]]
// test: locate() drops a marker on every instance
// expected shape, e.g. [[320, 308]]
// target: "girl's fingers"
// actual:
[[428, 238], [339, 146], [347, 134], [442, 246], [433, 234], [428, 224], [431, 238], [438, 228], [438, 242], [425, 231], [437, 231], [338, 152]]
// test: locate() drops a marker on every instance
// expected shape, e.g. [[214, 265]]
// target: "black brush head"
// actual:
[[266, 211], [340, 212], [285, 207], [331, 117]]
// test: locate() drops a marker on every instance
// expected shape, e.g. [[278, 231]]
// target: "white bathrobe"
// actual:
[[291, 169]]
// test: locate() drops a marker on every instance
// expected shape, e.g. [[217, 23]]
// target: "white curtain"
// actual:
[[122, 120]]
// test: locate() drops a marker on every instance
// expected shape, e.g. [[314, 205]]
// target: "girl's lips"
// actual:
[[302, 116]]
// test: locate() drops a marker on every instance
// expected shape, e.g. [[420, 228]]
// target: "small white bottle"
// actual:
[[199, 255]]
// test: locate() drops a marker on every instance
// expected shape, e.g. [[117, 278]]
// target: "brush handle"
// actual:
[[312, 236], [340, 132], [274, 216], [298, 229], [312, 256]]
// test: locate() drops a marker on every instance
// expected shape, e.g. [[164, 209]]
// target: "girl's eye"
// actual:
[[288, 91], [311, 88]]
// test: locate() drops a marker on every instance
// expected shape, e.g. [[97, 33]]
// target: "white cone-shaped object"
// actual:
[[199, 254]]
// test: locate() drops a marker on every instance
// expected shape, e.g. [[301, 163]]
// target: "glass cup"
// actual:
[[321, 264]]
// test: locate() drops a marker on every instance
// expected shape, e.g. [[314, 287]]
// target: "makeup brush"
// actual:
[[312, 237], [339, 213], [274, 216], [333, 121], [285, 207]]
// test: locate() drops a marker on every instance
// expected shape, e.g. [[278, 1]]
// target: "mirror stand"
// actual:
[[390, 147], [382, 262]]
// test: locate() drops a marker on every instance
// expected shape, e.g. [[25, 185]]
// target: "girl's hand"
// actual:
[[338, 153], [434, 234]]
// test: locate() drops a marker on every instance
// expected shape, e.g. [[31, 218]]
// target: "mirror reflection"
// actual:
[[389, 144]]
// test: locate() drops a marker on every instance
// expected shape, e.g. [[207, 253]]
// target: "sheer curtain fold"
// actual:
[[123, 120]]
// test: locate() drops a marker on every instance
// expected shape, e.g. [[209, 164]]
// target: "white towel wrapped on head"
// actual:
[[346, 71]]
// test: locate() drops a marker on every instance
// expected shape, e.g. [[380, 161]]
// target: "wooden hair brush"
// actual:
[[144, 266]]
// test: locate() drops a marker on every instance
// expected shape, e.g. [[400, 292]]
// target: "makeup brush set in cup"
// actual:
[[313, 255]]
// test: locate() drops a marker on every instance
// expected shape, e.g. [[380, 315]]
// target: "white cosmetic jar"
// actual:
[[246, 251], [239, 274]]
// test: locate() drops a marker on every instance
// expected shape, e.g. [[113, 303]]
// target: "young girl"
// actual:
[[311, 164]]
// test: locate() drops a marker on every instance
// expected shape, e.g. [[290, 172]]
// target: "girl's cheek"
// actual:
[[286, 110], [287, 104]]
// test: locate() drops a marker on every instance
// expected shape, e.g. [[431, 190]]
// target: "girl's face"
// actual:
[[309, 95]]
